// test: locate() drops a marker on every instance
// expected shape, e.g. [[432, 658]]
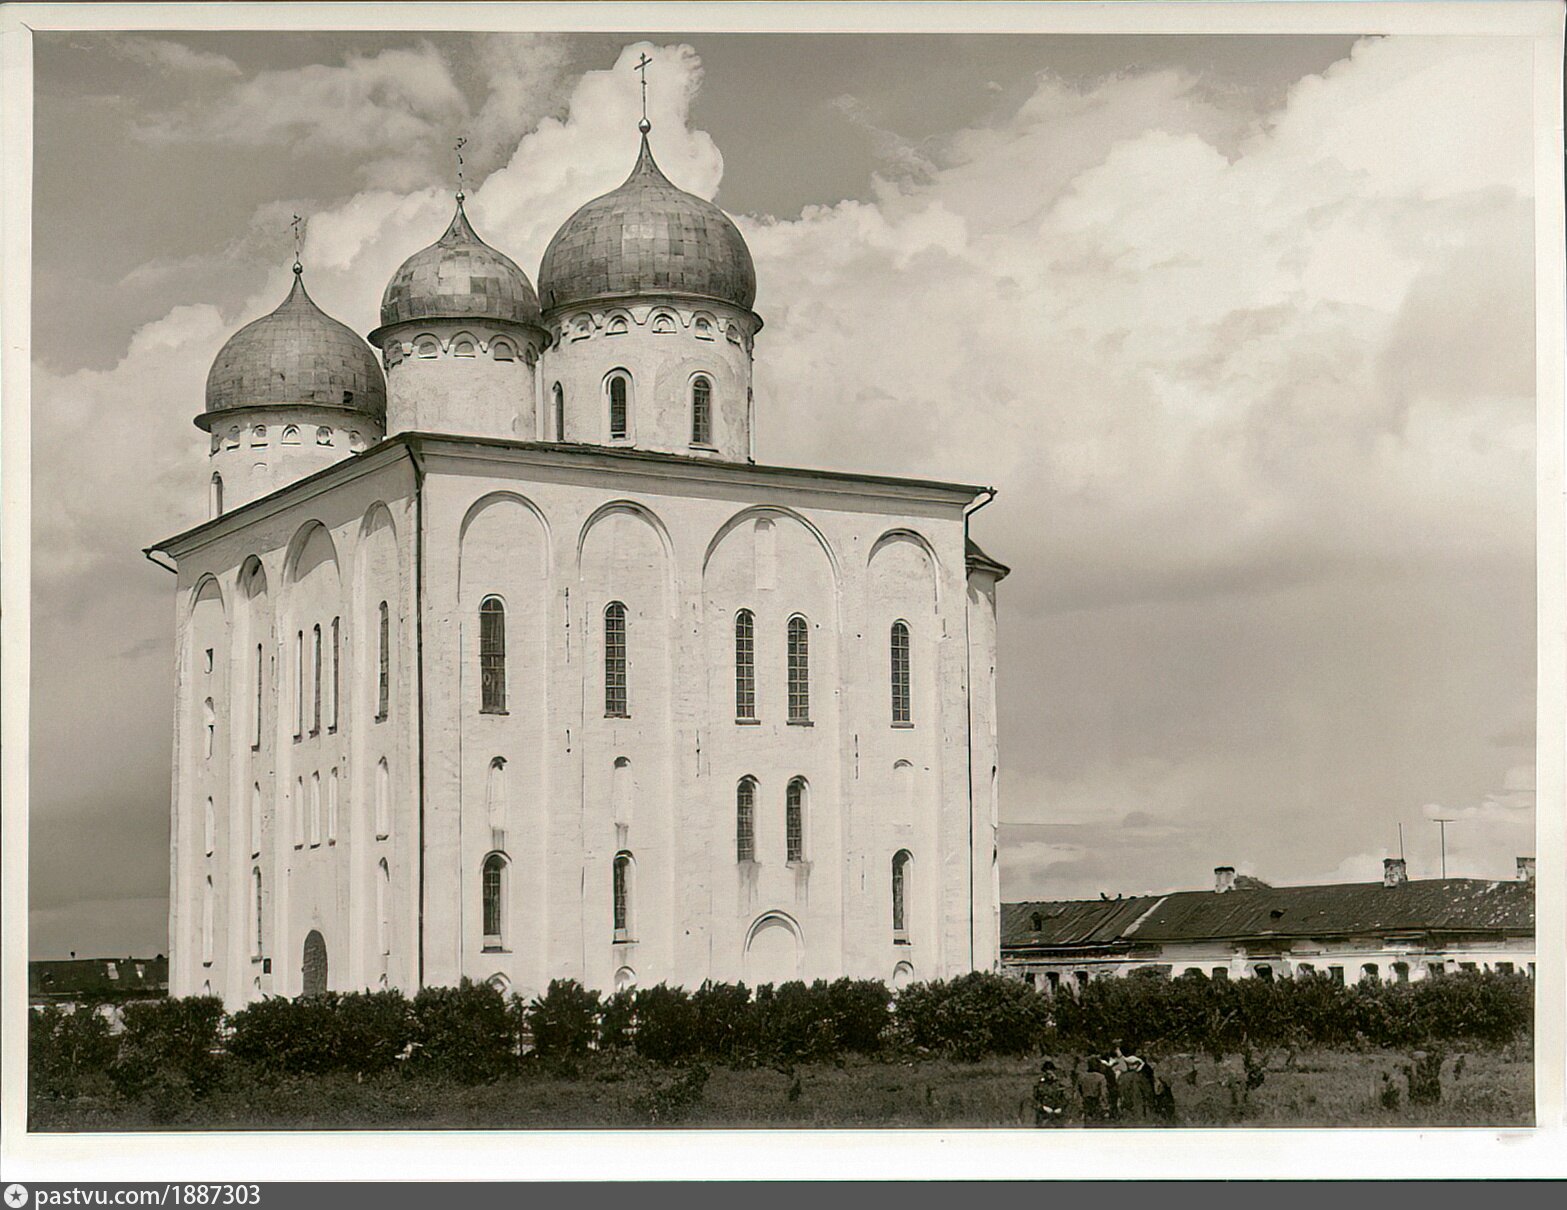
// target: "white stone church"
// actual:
[[502, 656]]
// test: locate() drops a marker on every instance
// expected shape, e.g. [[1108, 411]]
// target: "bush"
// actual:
[[726, 1021], [564, 1021], [975, 1015], [463, 1033], [667, 1028], [64, 1049], [617, 1025], [172, 1041]]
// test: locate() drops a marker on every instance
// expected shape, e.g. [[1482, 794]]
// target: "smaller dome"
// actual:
[[459, 277], [297, 355]]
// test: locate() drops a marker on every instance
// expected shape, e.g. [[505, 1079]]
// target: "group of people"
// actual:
[[1110, 1087]]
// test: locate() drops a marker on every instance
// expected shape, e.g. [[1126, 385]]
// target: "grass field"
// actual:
[[1312, 1088]]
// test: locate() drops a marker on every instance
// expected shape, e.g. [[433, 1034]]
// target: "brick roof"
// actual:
[[1439, 905]]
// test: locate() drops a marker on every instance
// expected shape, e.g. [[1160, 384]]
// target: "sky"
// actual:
[[1241, 328]]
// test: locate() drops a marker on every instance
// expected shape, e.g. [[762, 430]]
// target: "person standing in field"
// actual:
[[1093, 1092], [1050, 1097]]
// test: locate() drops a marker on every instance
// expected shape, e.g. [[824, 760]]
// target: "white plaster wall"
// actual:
[[258, 450], [434, 384]]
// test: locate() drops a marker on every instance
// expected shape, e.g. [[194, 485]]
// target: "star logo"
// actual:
[[16, 1196]]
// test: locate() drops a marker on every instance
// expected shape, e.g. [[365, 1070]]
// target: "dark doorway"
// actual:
[[315, 964]]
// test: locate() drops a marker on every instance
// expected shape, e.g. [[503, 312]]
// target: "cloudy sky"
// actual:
[[1241, 328]]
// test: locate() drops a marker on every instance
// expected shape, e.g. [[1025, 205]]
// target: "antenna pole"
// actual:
[[1442, 823], [1401, 842]]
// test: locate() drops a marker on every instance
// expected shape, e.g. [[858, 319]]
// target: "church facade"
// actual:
[[501, 656]]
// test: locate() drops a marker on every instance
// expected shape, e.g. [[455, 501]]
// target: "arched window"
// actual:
[[745, 820], [502, 351], [900, 891], [701, 411], [315, 809], [233, 438], [299, 684], [324, 435], [208, 911], [209, 728], [255, 820], [258, 435], [383, 800], [428, 346], [215, 496], [384, 662], [745, 666], [383, 911], [209, 829], [558, 399], [663, 323], [799, 670], [494, 892], [463, 348], [492, 656], [315, 667], [704, 328], [255, 911], [255, 734], [331, 808], [794, 820], [291, 435], [619, 407], [621, 892], [337, 673], [617, 326], [616, 701], [901, 704]]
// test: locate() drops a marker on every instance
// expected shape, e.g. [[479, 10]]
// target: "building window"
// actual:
[[1336, 973], [383, 800], [216, 495], [1369, 973], [745, 666], [1263, 971], [331, 808], [559, 401], [428, 347], [900, 891], [799, 671], [901, 706], [291, 435], [209, 828], [383, 913], [492, 656], [315, 809], [337, 673], [315, 667], [255, 912], [794, 820], [502, 351], [745, 820], [616, 704], [701, 411], [463, 348], [622, 896], [255, 735], [494, 899], [619, 407], [299, 684], [255, 820], [1502, 968], [384, 672]]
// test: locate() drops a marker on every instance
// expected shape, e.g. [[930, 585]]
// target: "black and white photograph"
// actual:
[[781, 570]]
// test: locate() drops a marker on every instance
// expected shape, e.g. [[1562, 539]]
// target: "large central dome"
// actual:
[[462, 277], [647, 237]]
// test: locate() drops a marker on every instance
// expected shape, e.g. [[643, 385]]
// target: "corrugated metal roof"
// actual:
[[1440, 905]]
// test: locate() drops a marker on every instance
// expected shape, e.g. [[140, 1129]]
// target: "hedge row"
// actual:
[[472, 1033]]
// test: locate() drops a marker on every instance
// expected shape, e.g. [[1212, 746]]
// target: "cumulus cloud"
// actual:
[[1257, 391]]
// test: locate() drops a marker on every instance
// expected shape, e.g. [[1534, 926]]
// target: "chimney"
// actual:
[[1394, 872], [1526, 869], [1223, 879]]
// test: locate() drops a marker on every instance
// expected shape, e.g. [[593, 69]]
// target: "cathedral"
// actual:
[[501, 655]]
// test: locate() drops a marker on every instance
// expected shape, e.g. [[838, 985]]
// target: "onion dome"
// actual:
[[296, 355], [459, 277], [647, 237]]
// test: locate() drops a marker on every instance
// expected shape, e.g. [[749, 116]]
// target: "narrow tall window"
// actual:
[[337, 673], [494, 886], [902, 710], [383, 800], [315, 809], [384, 674], [622, 896], [315, 666], [794, 820], [900, 889], [255, 820], [299, 684], [745, 820], [559, 401], [492, 656], [255, 911], [799, 671], [209, 829], [331, 808], [619, 410], [383, 913], [616, 702], [216, 495], [255, 735], [745, 665], [701, 411]]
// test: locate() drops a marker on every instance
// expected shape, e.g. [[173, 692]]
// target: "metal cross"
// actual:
[[461, 143], [299, 235], [642, 66]]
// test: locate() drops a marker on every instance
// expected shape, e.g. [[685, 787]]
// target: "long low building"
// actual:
[[1393, 930]]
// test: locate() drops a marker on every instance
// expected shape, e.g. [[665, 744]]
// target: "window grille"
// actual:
[[622, 895], [901, 704], [745, 665], [618, 411], [701, 411], [745, 820], [384, 675], [299, 684], [494, 872], [255, 736], [560, 413], [337, 671], [799, 671], [900, 866], [315, 665], [615, 697], [492, 656], [794, 820]]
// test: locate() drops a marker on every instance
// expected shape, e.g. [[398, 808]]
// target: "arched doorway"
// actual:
[[772, 951], [314, 967]]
